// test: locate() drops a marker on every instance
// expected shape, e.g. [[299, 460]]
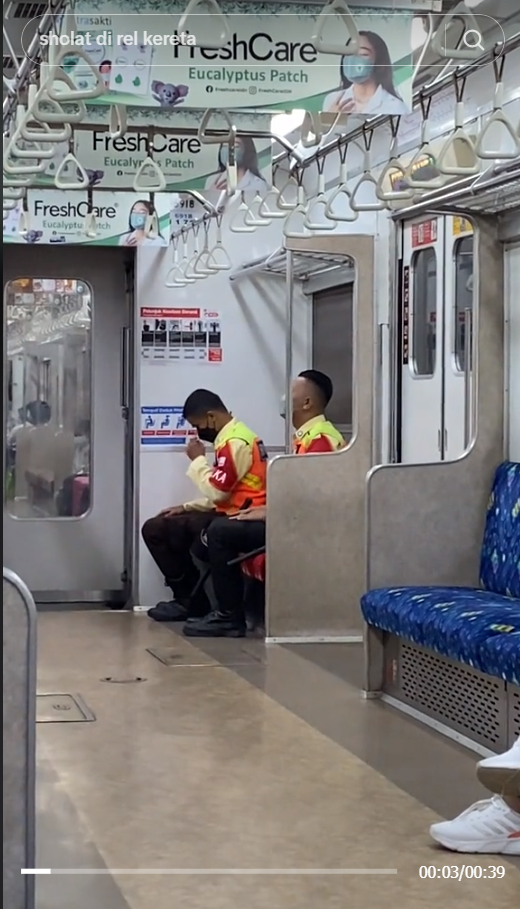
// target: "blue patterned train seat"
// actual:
[[501, 656], [480, 627]]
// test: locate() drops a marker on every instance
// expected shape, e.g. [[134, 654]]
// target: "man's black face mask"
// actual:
[[207, 434]]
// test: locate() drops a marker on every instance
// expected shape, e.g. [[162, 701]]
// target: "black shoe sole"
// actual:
[[190, 632]]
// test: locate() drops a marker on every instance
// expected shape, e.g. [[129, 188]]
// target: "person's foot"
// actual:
[[171, 611], [501, 772], [488, 827], [215, 625]]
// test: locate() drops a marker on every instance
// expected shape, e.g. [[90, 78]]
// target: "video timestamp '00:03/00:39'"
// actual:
[[459, 872]]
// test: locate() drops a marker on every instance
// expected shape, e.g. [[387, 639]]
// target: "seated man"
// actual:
[[311, 393], [236, 480]]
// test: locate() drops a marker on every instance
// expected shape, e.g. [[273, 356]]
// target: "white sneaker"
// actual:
[[501, 772], [487, 827]]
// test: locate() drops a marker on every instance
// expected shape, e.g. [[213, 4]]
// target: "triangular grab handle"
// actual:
[[319, 203], [221, 23], [341, 190], [72, 93], [156, 174], [219, 252], [90, 227], [151, 226], [11, 167], [204, 125], [365, 178], [468, 52], [297, 217], [499, 118], [392, 167], [254, 219], [311, 132], [118, 121], [263, 209], [9, 192], [29, 153], [280, 201], [238, 223], [424, 152], [340, 10], [56, 114], [71, 161], [459, 139]]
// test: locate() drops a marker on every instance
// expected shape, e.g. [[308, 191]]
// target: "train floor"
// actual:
[[233, 755]]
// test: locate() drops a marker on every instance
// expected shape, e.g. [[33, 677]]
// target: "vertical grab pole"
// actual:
[[468, 343], [289, 312]]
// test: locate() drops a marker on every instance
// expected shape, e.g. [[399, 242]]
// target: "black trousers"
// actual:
[[226, 541], [169, 541]]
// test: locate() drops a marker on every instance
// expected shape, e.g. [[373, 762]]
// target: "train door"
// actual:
[[458, 296], [422, 334], [437, 313], [512, 299], [68, 437]]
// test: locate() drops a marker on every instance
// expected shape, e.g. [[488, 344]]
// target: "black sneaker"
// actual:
[[173, 611], [215, 625]]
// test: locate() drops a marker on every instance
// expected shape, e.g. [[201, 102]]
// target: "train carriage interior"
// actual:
[[235, 676]]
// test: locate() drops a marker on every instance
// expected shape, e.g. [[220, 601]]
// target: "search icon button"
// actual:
[[473, 34]]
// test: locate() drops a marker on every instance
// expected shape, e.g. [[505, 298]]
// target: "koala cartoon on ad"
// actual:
[[169, 95]]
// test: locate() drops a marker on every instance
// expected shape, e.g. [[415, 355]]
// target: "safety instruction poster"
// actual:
[[182, 335], [164, 427]]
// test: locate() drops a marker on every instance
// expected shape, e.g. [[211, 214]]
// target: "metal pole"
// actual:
[[289, 313], [468, 342]]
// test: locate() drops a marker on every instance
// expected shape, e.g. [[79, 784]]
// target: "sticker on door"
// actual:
[[187, 335], [164, 427]]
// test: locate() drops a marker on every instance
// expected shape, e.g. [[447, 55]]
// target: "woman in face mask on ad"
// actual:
[[248, 168], [136, 234], [367, 85]]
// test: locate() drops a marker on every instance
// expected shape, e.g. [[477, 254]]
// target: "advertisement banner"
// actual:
[[59, 218], [186, 163], [268, 62]]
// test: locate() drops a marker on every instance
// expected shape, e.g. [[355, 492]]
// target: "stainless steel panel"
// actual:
[[19, 725]]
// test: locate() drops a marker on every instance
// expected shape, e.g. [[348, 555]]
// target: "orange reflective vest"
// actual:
[[249, 490], [320, 428]]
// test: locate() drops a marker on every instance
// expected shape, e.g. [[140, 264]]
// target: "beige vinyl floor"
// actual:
[[237, 757]]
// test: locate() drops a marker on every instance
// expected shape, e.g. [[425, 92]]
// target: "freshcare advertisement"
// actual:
[[61, 218], [186, 162], [268, 61]]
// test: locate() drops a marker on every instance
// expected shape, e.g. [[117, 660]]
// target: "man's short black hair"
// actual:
[[321, 382], [201, 402]]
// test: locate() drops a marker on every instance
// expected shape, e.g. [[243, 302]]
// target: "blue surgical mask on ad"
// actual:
[[224, 156], [137, 220], [357, 69]]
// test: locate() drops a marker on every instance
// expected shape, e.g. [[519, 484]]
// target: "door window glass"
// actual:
[[424, 312], [463, 296], [332, 349], [48, 349]]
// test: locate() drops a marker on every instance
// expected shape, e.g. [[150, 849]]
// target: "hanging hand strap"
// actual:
[[459, 143], [219, 22], [319, 204], [367, 177], [341, 190], [348, 45], [496, 121]]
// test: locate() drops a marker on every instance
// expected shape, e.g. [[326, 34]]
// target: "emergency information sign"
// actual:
[[187, 335]]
